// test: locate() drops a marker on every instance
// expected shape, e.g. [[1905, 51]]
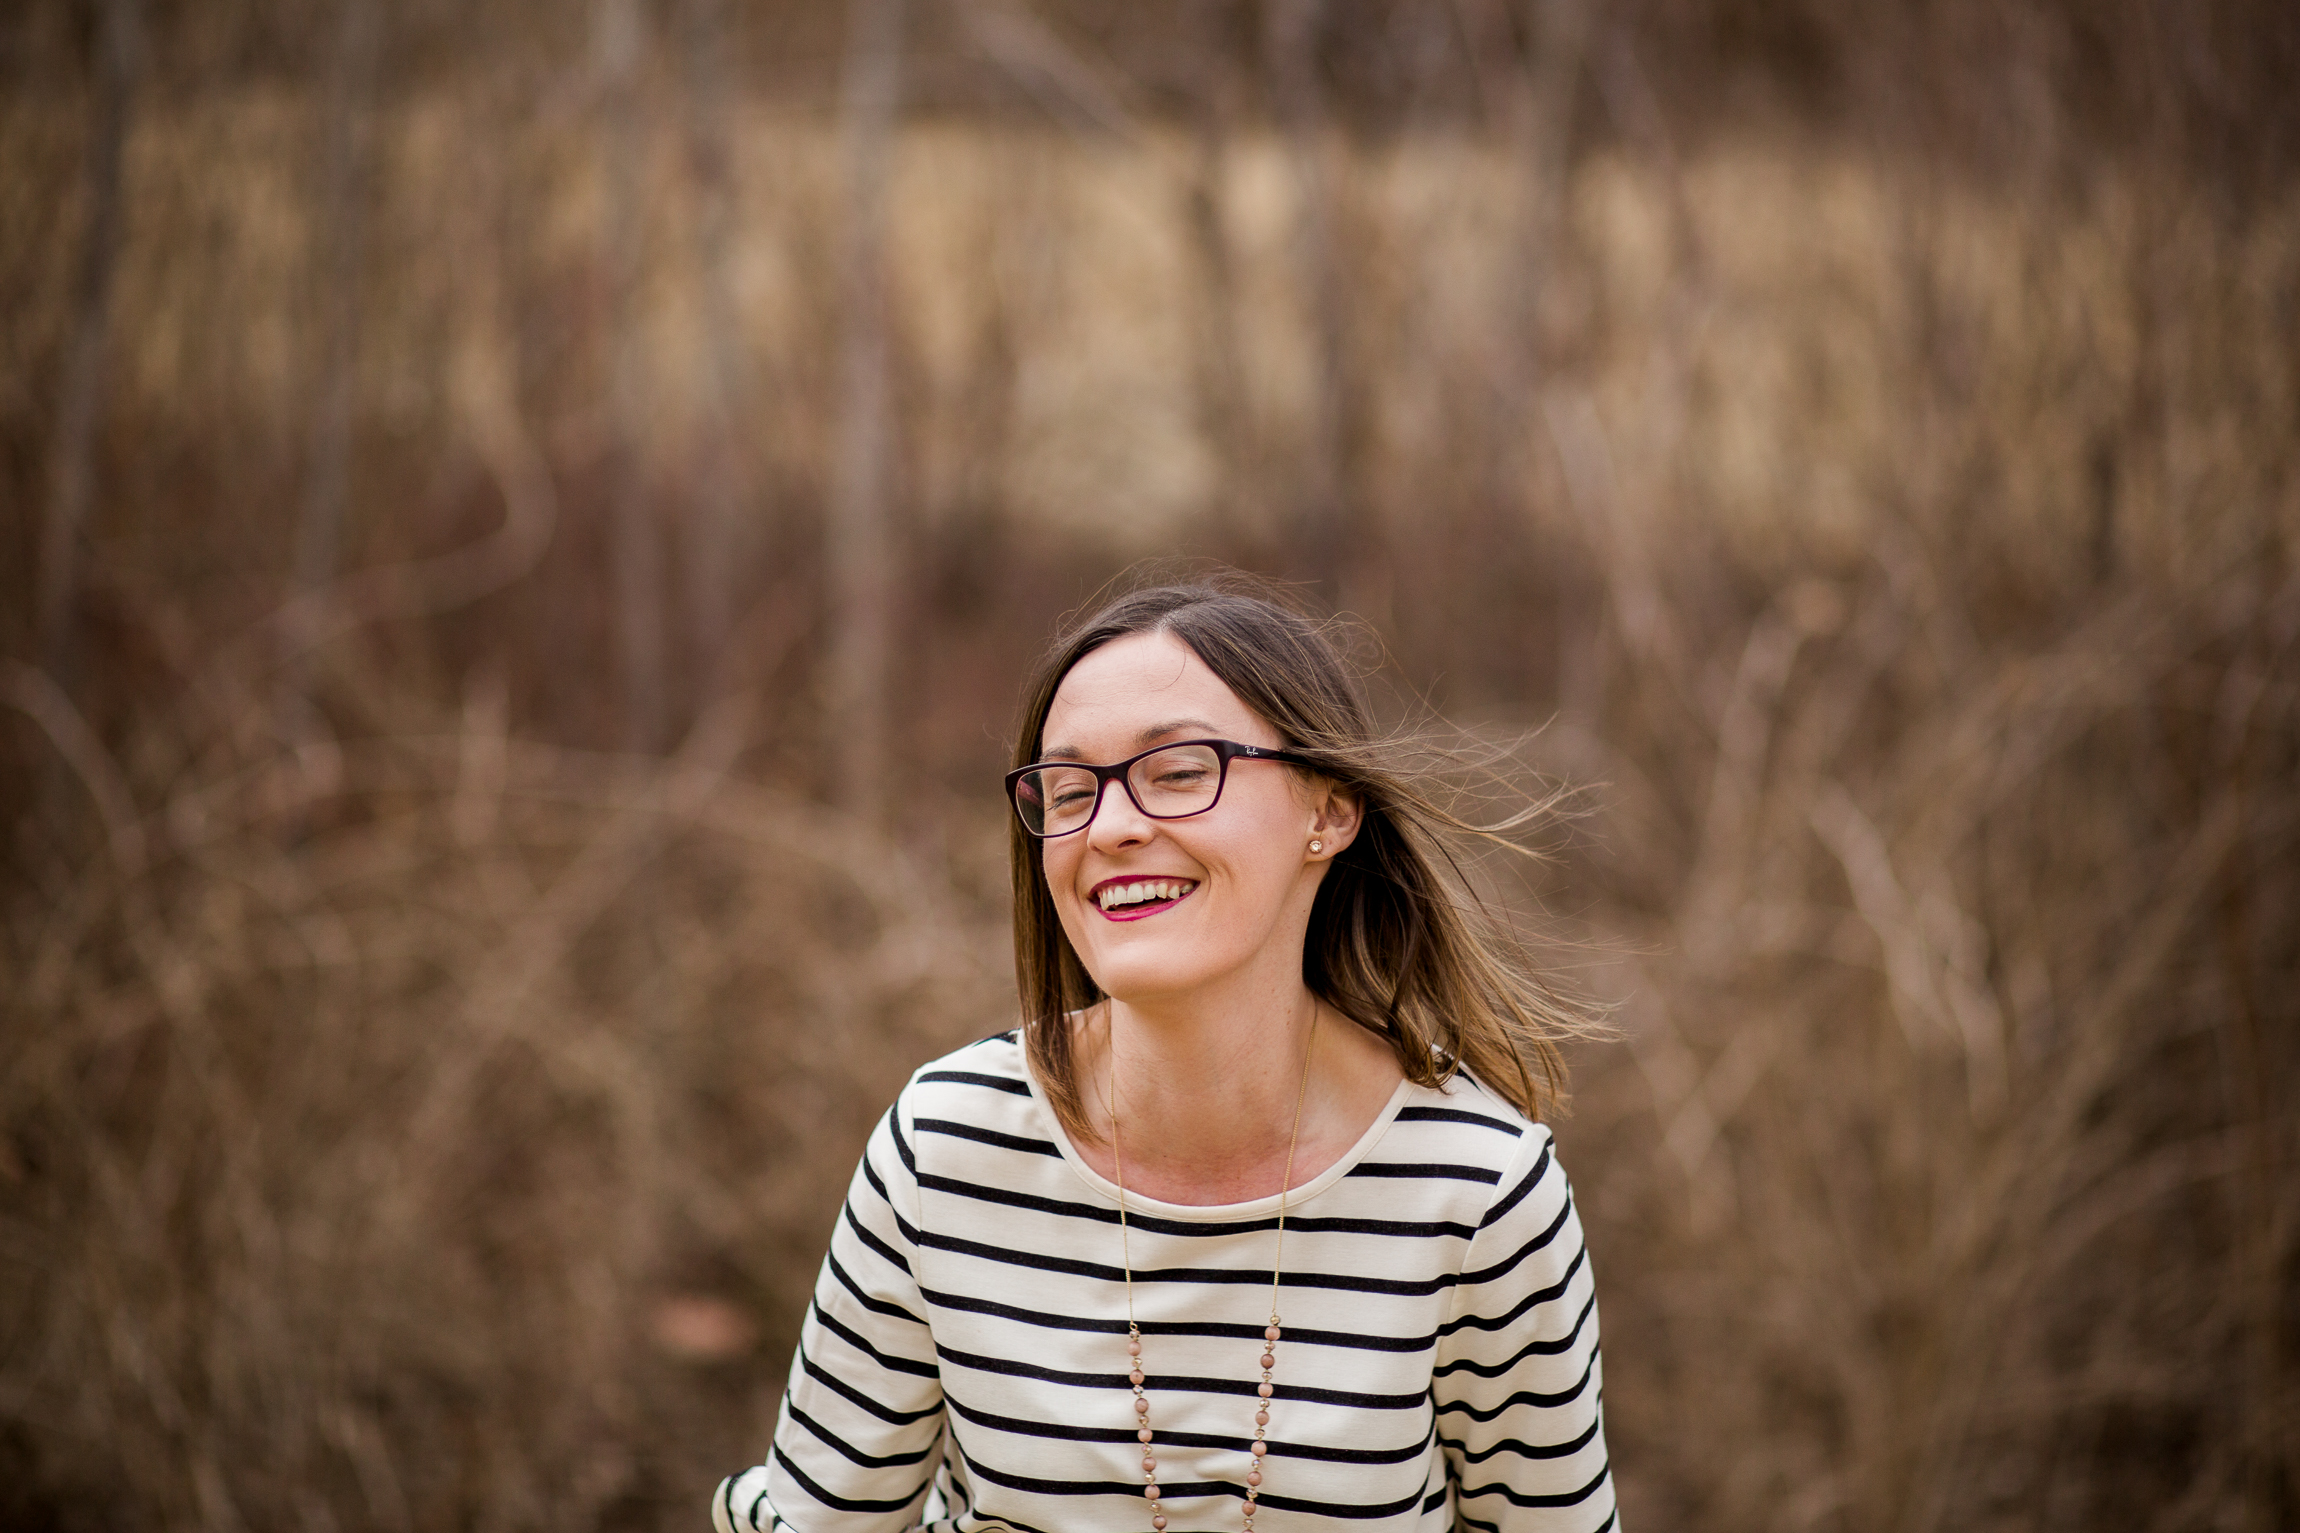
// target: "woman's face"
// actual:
[[1229, 891]]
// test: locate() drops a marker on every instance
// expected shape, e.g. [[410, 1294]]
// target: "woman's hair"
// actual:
[[1397, 941]]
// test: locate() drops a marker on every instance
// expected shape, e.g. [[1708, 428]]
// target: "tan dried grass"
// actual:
[[408, 1124]]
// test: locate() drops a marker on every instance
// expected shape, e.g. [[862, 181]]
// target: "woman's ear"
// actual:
[[1335, 815]]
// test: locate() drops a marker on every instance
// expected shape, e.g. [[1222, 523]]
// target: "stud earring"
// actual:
[[1317, 846]]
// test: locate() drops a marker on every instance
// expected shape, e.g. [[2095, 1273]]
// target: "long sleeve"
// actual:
[[862, 1417], [1517, 1380]]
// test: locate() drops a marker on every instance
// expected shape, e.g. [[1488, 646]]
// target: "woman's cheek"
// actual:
[[1072, 912], [1065, 908]]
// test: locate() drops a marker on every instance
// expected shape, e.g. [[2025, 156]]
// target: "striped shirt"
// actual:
[[963, 1365]]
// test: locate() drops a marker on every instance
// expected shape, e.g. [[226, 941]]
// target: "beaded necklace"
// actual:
[[1259, 1446]]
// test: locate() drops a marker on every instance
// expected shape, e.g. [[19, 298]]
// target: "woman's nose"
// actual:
[[1116, 821]]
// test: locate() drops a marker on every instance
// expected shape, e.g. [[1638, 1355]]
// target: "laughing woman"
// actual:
[[1253, 1223]]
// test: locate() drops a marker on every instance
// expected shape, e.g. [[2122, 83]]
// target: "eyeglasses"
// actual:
[[1168, 782]]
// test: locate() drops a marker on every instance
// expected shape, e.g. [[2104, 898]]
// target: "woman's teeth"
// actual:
[[1115, 895]]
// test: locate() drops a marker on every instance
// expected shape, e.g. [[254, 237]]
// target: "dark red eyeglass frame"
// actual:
[[1225, 751]]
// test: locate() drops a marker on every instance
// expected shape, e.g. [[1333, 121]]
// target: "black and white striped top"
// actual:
[[963, 1364]]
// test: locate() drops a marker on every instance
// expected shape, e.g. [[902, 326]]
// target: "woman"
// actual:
[[1252, 1223]]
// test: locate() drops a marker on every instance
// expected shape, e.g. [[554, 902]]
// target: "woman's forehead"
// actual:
[[1131, 691]]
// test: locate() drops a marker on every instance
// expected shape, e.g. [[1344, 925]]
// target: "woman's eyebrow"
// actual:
[[1155, 732], [1143, 740]]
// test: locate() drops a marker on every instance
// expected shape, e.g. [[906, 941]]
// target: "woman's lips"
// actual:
[[1134, 898]]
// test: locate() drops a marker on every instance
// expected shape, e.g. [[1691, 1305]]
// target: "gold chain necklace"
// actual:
[[1259, 1446]]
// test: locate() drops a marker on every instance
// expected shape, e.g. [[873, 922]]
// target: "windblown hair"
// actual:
[[1397, 941]]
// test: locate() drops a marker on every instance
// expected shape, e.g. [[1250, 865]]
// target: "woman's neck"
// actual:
[[1204, 1095]]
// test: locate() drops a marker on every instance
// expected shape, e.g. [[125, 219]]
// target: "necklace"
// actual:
[[1259, 1446]]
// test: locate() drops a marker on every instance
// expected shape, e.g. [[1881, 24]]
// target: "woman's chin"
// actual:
[[1141, 980]]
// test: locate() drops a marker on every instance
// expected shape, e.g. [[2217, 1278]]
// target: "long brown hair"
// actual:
[[1397, 942]]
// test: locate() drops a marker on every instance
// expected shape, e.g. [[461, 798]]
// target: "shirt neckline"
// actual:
[[1212, 1212]]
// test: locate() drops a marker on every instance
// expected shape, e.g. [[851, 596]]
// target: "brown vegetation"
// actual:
[[515, 586]]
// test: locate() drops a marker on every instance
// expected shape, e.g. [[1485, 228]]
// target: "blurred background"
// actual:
[[525, 523]]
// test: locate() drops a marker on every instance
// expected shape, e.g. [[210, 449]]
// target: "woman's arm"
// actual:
[[854, 1449], [1517, 1379]]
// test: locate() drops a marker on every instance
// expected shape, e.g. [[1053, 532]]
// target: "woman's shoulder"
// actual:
[[987, 1081], [995, 1058], [972, 1118], [1466, 1122]]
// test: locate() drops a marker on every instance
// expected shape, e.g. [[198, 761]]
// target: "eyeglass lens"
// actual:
[[1167, 785]]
